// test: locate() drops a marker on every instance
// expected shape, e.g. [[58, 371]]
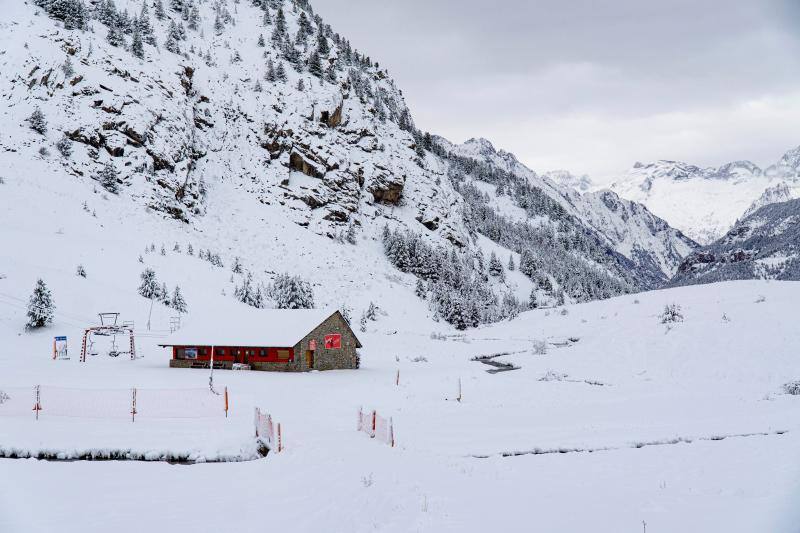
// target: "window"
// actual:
[[187, 353], [283, 354], [263, 352]]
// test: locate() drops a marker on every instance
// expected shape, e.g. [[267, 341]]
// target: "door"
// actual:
[[310, 358]]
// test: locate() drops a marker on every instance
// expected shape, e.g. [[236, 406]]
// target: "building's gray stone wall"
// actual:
[[324, 359]]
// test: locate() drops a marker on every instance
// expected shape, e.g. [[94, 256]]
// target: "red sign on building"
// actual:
[[333, 341]]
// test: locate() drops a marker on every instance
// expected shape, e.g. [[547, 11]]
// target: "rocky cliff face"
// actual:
[[763, 245], [168, 107]]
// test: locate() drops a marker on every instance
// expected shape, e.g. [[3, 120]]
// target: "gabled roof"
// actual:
[[276, 328]]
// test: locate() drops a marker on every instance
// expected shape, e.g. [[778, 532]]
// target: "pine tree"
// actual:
[[495, 266], [37, 121], [280, 22], [219, 27], [511, 265], [160, 14], [314, 64], [173, 39], [249, 294], [178, 303], [190, 249], [137, 46], [194, 18], [237, 266], [301, 86], [533, 301], [80, 271], [371, 312], [419, 289], [280, 72], [261, 42], [267, 20], [323, 49], [108, 178], [330, 74], [67, 68], [115, 36], [163, 294], [362, 323], [270, 76], [149, 287], [291, 292], [40, 307]]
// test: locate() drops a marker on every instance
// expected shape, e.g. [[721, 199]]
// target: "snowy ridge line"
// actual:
[[252, 453], [634, 446]]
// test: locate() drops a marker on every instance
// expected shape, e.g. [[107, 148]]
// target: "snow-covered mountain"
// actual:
[[705, 202], [763, 245], [256, 131], [626, 228], [581, 183]]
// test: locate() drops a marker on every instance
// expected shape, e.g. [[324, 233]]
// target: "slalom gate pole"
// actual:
[[226, 402]]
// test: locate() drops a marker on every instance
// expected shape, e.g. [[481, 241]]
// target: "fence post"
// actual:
[[37, 406], [374, 418], [397, 380], [391, 431], [226, 402], [133, 404]]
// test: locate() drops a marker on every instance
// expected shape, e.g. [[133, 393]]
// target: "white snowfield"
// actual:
[[688, 427]]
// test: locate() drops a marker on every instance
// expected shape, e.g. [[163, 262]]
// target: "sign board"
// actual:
[[312, 344], [333, 341], [60, 348], [190, 353]]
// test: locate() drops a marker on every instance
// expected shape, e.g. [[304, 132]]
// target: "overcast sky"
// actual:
[[591, 85]]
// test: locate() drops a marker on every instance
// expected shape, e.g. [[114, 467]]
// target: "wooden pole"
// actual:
[[37, 406], [133, 404], [226, 402], [280, 438], [397, 380], [459, 390]]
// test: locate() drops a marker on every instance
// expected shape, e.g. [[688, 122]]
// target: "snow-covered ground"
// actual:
[[688, 428]]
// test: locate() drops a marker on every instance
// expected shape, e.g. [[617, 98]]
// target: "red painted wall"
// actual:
[[238, 354]]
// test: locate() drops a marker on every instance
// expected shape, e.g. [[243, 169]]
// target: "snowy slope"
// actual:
[[704, 203], [763, 245], [687, 423], [202, 135]]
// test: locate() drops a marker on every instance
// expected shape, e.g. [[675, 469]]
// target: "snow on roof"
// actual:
[[278, 328]]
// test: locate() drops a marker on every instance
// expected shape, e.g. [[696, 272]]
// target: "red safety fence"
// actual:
[[376, 426], [266, 431], [133, 403]]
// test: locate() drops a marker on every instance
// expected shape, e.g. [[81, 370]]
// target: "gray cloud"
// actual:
[[550, 80]]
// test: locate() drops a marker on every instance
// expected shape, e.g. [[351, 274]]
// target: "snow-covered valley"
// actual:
[[510, 330]]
